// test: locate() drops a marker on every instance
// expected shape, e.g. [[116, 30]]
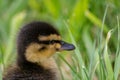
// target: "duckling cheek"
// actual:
[[52, 48], [57, 46], [49, 53]]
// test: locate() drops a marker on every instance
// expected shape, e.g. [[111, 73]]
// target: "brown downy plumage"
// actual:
[[36, 43]]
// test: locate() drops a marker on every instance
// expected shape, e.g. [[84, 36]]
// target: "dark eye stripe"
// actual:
[[49, 42]]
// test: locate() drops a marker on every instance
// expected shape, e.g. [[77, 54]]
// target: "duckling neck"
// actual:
[[46, 64], [23, 63], [45, 67]]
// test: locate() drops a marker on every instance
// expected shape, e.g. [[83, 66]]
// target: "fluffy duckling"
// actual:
[[36, 43]]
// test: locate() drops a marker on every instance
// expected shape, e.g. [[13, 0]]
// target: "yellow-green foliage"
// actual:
[[92, 25]]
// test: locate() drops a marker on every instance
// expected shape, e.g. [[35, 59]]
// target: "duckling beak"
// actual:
[[66, 46]]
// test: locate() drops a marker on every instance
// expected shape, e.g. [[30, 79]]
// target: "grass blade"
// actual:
[[77, 53], [107, 59], [78, 12], [96, 21], [117, 59], [15, 23], [78, 75]]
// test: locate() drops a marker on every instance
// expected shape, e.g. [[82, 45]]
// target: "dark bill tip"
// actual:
[[67, 46]]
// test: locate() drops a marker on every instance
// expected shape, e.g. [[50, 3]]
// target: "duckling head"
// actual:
[[38, 41]]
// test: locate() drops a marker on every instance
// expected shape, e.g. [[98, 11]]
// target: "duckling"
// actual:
[[37, 42]]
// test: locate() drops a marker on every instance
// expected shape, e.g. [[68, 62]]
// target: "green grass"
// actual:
[[91, 25], [101, 61]]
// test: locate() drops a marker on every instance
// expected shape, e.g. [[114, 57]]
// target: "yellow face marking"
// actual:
[[43, 56], [33, 54], [50, 37], [57, 46]]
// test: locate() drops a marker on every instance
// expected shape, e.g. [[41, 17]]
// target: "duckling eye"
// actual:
[[52, 41], [62, 42]]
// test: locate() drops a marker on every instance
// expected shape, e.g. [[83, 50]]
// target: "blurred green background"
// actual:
[[86, 23]]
